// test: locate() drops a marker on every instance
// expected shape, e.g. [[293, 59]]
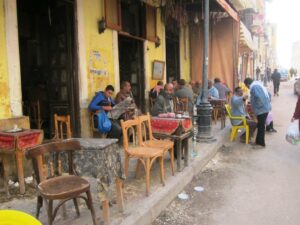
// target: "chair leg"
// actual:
[[90, 206], [76, 206], [120, 199], [162, 171], [39, 205], [126, 164], [171, 151], [138, 169], [233, 134], [105, 208], [49, 211], [247, 134], [147, 169]]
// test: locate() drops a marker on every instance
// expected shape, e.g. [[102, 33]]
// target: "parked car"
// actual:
[[284, 74], [297, 87]]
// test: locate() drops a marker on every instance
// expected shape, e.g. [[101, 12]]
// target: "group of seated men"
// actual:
[[163, 94]]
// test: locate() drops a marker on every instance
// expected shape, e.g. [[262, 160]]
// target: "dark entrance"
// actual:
[[172, 51], [47, 55], [131, 62]]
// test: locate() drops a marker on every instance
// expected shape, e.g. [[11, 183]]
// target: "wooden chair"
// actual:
[[95, 132], [145, 155], [62, 125], [51, 184], [151, 102], [3, 176], [181, 104], [35, 114], [147, 139], [234, 130]]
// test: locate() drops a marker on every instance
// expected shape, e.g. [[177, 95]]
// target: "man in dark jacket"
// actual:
[[164, 101], [276, 81]]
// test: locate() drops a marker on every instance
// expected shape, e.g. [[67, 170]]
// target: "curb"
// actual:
[[152, 206]]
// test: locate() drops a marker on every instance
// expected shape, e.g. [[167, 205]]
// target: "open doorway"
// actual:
[[132, 67], [172, 50], [47, 58]]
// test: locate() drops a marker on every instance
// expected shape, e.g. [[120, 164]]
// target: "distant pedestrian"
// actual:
[[276, 81], [296, 115], [257, 72], [260, 103]]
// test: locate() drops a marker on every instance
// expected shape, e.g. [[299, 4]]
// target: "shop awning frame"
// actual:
[[229, 9]]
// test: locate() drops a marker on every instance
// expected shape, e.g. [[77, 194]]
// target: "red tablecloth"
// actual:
[[19, 140], [170, 125]]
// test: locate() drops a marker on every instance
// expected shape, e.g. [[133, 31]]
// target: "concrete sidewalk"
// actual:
[[139, 209]]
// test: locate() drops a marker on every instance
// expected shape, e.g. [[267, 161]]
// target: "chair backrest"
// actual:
[[181, 104], [47, 158], [129, 128], [145, 129], [62, 125], [35, 113], [152, 102], [228, 110]]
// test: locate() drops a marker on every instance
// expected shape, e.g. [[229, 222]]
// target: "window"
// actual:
[[112, 14]]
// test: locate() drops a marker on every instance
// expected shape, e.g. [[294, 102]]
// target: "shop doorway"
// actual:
[[172, 51], [131, 62], [47, 58]]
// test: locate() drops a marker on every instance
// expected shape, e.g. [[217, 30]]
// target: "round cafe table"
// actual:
[[14, 217]]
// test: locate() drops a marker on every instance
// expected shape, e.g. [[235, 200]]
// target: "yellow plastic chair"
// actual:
[[234, 130], [14, 217]]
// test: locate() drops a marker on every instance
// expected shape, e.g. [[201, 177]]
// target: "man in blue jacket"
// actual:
[[260, 103], [103, 101]]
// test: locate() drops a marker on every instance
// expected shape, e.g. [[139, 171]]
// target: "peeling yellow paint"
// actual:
[[4, 90]]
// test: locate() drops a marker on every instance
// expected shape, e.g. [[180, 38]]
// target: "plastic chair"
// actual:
[[234, 130]]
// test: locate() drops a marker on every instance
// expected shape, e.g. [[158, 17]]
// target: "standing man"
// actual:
[[276, 81], [183, 91], [222, 89], [260, 103]]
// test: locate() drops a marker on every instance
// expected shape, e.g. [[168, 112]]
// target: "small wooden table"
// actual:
[[177, 129], [17, 143]]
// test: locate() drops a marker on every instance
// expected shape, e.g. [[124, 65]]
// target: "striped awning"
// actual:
[[244, 4], [246, 41]]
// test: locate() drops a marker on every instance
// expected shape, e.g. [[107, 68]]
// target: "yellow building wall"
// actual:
[[99, 49], [185, 54], [4, 88], [156, 53]]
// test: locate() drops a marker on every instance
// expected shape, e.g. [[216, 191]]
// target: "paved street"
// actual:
[[243, 186]]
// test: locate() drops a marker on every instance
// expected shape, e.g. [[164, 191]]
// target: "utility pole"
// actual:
[[204, 109]]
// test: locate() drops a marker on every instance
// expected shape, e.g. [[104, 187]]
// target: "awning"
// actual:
[[228, 9], [244, 4], [246, 42]]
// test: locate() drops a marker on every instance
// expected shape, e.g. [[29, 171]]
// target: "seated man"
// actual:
[[164, 101], [182, 92], [154, 92], [212, 93], [124, 92], [103, 101], [238, 109]]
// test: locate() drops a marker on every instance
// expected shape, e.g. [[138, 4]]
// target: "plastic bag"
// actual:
[[293, 134], [269, 119], [104, 124]]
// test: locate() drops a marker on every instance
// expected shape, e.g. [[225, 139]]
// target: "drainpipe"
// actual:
[[204, 109]]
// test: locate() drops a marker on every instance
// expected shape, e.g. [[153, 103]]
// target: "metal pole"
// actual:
[[204, 110]]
